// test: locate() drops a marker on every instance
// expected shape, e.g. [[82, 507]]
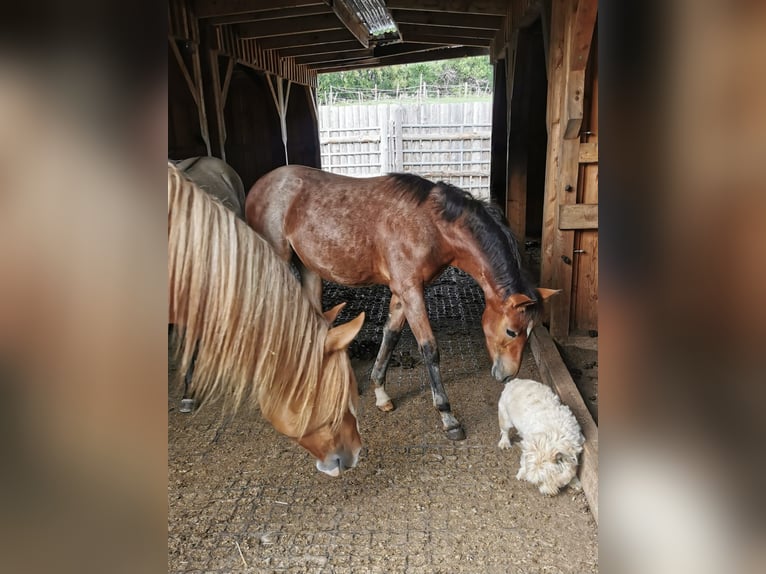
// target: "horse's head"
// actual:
[[333, 441], [507, 326]]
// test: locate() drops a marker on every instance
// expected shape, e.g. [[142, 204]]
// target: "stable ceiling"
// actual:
[[336, 35]]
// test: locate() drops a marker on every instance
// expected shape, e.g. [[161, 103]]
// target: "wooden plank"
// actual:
[[554, 373], [589, 152], [488, 7], [578, 216], [351, 21], [214, 8], [448, 19], [408, 30], [573, 110], [308, 39], [285, 26], [184, 70], [270, 14]]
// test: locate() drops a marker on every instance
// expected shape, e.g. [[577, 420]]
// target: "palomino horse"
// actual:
[[258, 339], [402, 231], [217, 178]]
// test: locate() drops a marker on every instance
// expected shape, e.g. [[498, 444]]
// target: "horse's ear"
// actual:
[[547, 293], [518, 300], [340, 337], [331, 314]]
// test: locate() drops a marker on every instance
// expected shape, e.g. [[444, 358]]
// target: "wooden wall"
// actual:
[[223, 100], [567, 217]]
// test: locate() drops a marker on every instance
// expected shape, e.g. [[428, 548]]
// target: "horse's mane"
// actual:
[[486, 223], [259, 339]]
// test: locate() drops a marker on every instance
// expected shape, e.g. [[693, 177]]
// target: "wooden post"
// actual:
[[398, 139], [214, 98], [194, 83]]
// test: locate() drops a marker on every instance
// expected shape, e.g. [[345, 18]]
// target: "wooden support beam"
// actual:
[[589, 152], [227, 80], [408, 30], [318, 49], [334, 56], [582, 33], [285, 26], [451, 19], [555, 374], [429, 39], [351, 21], [425, 56], [309, 39], [279, 13], [578, 216], [215, 8], [487, 7]]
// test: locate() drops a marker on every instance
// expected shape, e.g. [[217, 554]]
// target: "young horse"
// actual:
[[402, 231], [258, 338]]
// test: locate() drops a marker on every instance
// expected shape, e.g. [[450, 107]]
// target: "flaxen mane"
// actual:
[[260, 340]]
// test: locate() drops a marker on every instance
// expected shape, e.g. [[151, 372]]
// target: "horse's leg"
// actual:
[[415, 311], [312, 284], [187, 403], [391, 333]]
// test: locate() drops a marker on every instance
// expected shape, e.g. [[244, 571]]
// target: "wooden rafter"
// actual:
[[452, 41], [216, 8], [425, 56], [408, 30], [452, 19], [309, 39], [270, 14], [287, 26], [487, 7], [294, 51]]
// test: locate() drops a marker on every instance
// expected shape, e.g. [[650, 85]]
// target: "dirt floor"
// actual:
[[242, 498]]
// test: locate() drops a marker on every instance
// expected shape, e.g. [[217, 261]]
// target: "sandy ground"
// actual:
[[242, 498]]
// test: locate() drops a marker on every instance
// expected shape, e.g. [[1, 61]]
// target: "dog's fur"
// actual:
[[551, 439]]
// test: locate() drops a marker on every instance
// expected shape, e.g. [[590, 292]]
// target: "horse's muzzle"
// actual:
[[335, 463], [501, 374]]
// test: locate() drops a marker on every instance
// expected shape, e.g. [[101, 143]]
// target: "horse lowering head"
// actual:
[[507, 326], [331, 433]]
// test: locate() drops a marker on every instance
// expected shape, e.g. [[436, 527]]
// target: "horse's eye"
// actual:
[[510, 333]]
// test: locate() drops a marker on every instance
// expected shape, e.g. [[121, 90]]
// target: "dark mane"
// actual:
[[485, 222], [490, 228], [408, 184]]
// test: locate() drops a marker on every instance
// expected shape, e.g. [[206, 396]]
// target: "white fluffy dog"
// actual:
[[551, 439]]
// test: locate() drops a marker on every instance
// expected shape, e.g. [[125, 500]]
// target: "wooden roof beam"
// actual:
[[448, 19], [309, 39], [350, 20], [445, 31], [456, 41], [486, 7], [314, 59], [424, 56], [293, 51], [285, 26], [215, 8], [295, 12]]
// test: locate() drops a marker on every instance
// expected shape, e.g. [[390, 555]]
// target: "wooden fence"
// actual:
[[440, 141]]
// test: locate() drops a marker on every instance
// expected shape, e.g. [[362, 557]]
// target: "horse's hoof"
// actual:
[[455, 433], [386, 407], [187, 405]]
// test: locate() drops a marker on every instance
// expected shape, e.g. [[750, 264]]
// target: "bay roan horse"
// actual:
[[400, 230], [259, 340]]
